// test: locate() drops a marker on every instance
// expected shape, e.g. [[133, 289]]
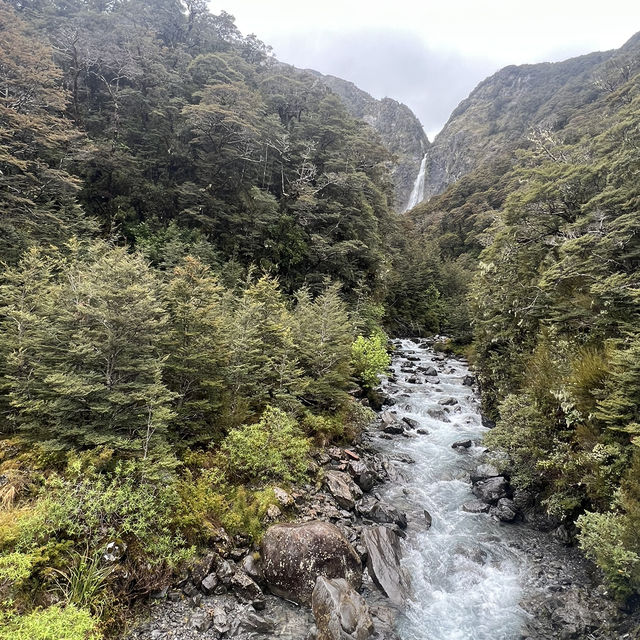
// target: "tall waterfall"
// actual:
[[418, 186]]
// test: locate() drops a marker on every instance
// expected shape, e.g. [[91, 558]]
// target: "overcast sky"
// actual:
[[428, 54]]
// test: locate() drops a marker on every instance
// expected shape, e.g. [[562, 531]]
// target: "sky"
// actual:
[[430, 55]]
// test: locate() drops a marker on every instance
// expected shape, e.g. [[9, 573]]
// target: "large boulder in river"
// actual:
[[491, 489], [342, 488], [383, 562], [341, 613], [294, 555]]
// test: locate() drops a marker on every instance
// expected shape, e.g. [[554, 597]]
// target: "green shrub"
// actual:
[[54, 623], [369, 358], [273, 449]]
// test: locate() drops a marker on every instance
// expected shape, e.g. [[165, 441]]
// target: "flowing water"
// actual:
[[418, 186], [466, 569]]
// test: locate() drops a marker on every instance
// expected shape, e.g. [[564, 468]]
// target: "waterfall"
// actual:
[[418, 186]]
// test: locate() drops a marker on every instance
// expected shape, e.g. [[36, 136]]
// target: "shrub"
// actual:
[[53, 623], [369, 358], [273, 449]]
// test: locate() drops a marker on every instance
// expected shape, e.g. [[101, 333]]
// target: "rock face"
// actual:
[[340, 612], [294, 555], [383, 563]]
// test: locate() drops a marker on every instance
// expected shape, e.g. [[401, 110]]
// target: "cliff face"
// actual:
[[511, 105], [398, 127]]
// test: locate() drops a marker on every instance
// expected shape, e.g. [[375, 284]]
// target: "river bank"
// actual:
[[473, 574]]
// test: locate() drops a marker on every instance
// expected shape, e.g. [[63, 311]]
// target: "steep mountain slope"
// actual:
[[503, 109], [398, 127]]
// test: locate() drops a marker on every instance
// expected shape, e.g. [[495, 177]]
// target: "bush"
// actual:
[[54, 623], [273, 449], [369, 358]]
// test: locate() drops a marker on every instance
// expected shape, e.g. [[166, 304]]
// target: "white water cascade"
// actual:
[[466, 569], [417, 193]]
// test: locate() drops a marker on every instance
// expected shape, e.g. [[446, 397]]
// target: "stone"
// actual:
[[339, 611], [225, 571], [201, 621], [430, 372], [285, 500], [342, 488], [273, 513], [247, 590], [381, 512], [438, 414], [258, 624], [461, 444], [476, 506], [203, 567], [294, 555], [468, 381], [428, 519], [448, 402], [491, 489], [422, 432], [394, 429], [388, 418], [487, 422], [413, 424], [209, 584], [383, 562], [115, 551], [251, 567], [484, 471], [362, 475], [505, 510]]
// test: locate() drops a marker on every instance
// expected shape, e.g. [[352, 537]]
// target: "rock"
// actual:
[[115, 551], [468, 381], [201, 621], [383, 562], [351, 454], [252, 568], [220, 619], [428, 519], [484, 471], [285, 500], [394, 429], [388, 401], [209, 584], [412, 380], [273, 513], [413, 424], [438, 414], [381, 512], [294, 555], [342, 488], [362, 475], [431, 372], [422, 432], [448, 402], [388, 418], [225, 571], [413, 358], [247, 590], [203, 567], [340, 612], [487, 422], [505, 510], [461, 444], [476, 506], [491, 489], [258, 624]]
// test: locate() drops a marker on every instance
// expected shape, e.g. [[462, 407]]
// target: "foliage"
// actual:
[[369, 358], [273, 449], [53, 623]]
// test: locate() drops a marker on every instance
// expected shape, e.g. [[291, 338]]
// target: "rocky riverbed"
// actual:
[[411, 534]]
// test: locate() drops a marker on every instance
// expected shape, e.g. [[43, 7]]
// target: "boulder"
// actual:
[[413, 424], [339, 611], [209, 584], [476, 506], [247, 590], [468, 381], [342, 488], [431, 372], [461, 444], [362, 475], [388, 418], [383, 562], [448, 402], [505, 510], [422, 432], [294, 555], [484, 471], [382, 512], [438, 414], [491, 489], [251, 567], [394, 429], [487, 422]]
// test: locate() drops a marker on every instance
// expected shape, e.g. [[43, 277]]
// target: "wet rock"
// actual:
[[294, 555], [382, 512], [484, 471], [491, 489], [448, 402], [505, 510], [388, 401], [258, 624], [203, 567], [422, 432], [428, 519], [430, 372], [225, 571], [476, 506], [387, 417], [383, 562], [342, 488], [362, 475], [468, 381], [247, 590], [394, 429], [252, 568], [487, 422], [438, 414], [413, 424], [462, 444], [339, 611], [209, 584]]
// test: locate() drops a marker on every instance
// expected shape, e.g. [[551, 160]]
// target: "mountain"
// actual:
[[398, 127]]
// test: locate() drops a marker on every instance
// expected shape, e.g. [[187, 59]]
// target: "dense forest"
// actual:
[[200, 265]]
